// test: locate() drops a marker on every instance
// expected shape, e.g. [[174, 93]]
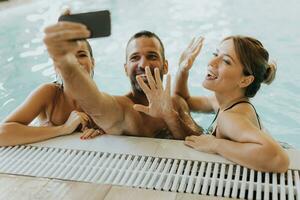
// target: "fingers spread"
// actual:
[[150, 78], [158, 79], [143, 85], [168, 84], [191, 43]]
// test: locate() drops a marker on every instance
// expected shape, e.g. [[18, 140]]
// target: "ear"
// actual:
[[166, 67], [93, 62], [125, 68], [246, 81]]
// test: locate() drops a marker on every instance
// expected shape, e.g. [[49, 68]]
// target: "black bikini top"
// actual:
[[211, 129]]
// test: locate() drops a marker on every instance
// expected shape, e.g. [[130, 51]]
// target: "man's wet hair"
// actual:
[[147, 34]]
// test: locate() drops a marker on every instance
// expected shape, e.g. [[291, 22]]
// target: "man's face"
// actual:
[[142, 52]]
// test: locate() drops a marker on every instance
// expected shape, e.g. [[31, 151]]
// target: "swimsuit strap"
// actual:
[[258, 119], [215, 117], [209, 130]]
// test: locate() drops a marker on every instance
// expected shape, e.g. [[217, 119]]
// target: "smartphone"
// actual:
[[98, 23]]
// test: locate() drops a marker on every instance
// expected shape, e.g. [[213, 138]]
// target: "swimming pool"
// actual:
[[24, 63]]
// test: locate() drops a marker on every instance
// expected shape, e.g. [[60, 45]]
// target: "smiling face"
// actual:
[[225, 72], [84, 56], [142, 52]]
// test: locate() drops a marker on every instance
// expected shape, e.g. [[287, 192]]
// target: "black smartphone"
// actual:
[[98, 23]]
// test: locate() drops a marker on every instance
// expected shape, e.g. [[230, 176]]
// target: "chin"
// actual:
[[206, 85]]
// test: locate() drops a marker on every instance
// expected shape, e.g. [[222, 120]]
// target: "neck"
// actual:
[[226, 100]]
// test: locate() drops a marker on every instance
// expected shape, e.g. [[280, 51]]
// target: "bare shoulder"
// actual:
[[246, 110], [47, 88]]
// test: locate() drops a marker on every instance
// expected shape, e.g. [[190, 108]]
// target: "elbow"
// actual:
[[281, 162], [278, 161], [6, 131], [3, 133]]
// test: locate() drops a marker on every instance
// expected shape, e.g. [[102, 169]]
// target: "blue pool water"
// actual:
[[24, 63]]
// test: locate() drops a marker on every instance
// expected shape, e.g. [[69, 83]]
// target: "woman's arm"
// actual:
[[243, 143], [14, 133], [186, 61], [15, 129]]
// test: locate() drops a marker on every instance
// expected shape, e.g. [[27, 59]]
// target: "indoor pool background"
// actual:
[[24, 63]]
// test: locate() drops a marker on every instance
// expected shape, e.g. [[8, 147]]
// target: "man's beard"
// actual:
[[135, 85]]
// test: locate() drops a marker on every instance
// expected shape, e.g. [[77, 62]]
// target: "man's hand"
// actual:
[[188, 57], [160, 101], [60, 38]]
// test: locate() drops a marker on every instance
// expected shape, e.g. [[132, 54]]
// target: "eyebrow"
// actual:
[[149, 52], [82, 51], [227, 55]]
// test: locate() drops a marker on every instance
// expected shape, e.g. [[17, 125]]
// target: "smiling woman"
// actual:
[[55, 108], [235, 74]]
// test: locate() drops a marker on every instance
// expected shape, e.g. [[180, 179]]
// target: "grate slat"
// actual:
[[185, 177], [267, 186], [156, 174], [258, 186], [115, 170], [228, 181], [199, 178], [282, 188], [236, 182], [192, 178], [251, 185], [274, 188], [122, 171], [159, 185], [297, 183]]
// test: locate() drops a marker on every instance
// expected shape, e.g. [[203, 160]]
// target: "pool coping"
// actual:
[[164, 148]]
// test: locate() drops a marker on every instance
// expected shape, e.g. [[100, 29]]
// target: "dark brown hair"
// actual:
[[255, 61], [147, 34]]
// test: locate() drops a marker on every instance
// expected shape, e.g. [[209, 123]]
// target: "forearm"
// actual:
[[181, 127], [76, 79], [103, 108], [181, 84], [252, 155], [13, 133]]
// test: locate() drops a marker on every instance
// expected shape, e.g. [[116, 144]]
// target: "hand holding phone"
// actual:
[[98, 23]]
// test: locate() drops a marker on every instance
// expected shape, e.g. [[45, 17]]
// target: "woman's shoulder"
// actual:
[[48, 88], [46, 91]]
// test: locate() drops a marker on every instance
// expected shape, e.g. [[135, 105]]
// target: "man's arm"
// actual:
[[162, 106], [60, 40]]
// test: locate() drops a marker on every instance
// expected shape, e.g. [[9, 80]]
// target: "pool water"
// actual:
[[24, 63]]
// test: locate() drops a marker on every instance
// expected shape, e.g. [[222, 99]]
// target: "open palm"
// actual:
[[160, 101], [189, 55]]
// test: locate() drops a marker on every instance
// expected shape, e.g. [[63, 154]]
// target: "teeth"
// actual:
[[211, 74]]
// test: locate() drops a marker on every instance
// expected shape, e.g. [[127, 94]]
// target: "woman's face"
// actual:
[[83, 56], [224, 71]]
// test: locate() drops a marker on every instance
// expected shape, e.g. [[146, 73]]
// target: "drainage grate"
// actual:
[[206, 178]]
